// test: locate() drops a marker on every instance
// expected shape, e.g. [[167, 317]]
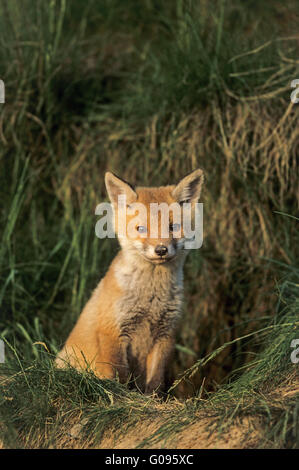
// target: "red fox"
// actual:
[[128, 326]]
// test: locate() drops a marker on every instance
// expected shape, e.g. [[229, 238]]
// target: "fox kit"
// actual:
[[127, 328]]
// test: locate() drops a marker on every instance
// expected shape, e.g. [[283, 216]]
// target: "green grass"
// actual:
[[40, 404], [150, 93]]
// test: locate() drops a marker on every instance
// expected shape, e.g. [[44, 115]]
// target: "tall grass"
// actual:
[[150, 93], [41, 406]]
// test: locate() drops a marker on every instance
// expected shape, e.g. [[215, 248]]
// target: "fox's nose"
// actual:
[[161, 250]]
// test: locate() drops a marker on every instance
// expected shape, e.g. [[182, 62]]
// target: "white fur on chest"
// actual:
[[148, 290]]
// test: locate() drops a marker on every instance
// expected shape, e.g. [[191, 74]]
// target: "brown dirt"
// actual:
[[196, 436]]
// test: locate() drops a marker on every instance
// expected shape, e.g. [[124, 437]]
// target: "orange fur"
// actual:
[[128, 325]]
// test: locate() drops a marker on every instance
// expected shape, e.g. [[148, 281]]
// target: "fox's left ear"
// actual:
[[117, 187], [189, 188]]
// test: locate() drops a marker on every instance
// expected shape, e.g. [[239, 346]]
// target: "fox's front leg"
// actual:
[[156, 364]]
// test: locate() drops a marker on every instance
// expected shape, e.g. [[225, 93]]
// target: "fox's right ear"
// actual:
[[189, 188], [116, 187]]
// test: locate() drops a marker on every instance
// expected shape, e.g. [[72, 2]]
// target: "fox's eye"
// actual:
[[141, 229], [174, 227]]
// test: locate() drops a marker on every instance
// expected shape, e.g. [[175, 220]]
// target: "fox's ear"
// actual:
[[117, 187], [189, 188]]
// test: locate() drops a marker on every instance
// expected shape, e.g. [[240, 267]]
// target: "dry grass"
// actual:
[[162, 431], [229, 284], [150, 97]]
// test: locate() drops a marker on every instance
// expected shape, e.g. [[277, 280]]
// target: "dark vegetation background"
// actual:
[[149, 90]]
